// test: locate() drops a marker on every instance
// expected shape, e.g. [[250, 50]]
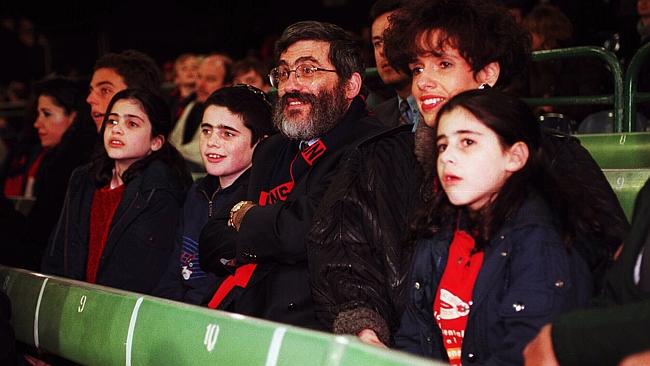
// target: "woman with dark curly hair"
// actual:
[[454, 45], [450, 46]]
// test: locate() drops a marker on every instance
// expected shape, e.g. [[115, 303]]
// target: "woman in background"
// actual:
[[67, 139]]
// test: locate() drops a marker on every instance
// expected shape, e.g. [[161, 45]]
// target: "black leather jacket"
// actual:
[[356, 254]]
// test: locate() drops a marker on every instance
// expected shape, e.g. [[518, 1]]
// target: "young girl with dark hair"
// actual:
[[493, 260], [117, 224]]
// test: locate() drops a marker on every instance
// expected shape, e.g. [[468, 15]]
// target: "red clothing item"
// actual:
[[298, 167], [16, 185], [453, 300], [105, 202]]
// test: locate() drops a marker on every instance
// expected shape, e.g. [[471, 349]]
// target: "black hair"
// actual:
[[69, 94], [251, 63], [380, 7], [512, 121], [251, 104], [345, 49], [138, 70], [157, 111], [481, 30]]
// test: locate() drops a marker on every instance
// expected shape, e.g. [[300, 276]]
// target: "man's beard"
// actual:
[[327, 108]]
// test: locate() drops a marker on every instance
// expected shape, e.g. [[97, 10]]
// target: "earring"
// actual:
[[484, 86]]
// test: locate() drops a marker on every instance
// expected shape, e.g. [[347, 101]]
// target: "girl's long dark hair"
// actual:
[[512, 121], [158, 112]]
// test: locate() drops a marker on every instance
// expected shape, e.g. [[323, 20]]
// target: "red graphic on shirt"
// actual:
[[278, 193], [453, 300], [313, 152]]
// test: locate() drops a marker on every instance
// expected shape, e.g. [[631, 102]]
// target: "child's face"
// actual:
[[127, 137], [225, 144], [472, 164]]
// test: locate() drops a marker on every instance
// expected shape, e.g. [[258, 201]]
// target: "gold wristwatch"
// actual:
[[233, 212]]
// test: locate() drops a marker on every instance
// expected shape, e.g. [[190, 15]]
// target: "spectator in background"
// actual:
[[235, 120], [550, 29], [253, 72], [67, 139], [215, 72], [118, 223], [185, 73], [401, 109], [114, 72]]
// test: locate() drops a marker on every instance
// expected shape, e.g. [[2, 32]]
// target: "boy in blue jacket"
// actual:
[[235, 120]]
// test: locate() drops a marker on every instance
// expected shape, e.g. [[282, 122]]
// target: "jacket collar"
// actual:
[[137, 196], [210, 183]]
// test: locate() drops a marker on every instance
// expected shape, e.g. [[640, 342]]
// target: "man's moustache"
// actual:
[[301, 97]]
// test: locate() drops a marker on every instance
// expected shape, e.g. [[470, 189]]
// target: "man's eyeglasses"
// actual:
[[281, 74]]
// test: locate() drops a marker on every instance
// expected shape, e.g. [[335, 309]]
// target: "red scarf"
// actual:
[[297, 168]]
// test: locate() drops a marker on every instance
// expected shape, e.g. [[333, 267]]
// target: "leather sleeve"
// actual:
[[276, 233], [356, 253]]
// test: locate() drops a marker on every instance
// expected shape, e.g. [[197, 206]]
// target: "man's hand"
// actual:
[[369, 336], [539, 352], [637, 359]]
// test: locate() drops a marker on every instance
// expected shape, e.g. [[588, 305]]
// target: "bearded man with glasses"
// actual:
[[261, 244]]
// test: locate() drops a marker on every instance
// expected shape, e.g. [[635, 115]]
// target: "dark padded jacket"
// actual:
[[527, 278], [356, 254], [184, 279], [141, 237]]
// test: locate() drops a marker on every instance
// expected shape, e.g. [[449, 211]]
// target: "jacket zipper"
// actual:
[[210, 199]]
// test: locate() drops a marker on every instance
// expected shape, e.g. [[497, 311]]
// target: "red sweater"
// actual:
[[17, 185], [105, 202]]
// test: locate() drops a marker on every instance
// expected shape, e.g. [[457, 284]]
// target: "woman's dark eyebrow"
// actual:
[[127, 116]]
